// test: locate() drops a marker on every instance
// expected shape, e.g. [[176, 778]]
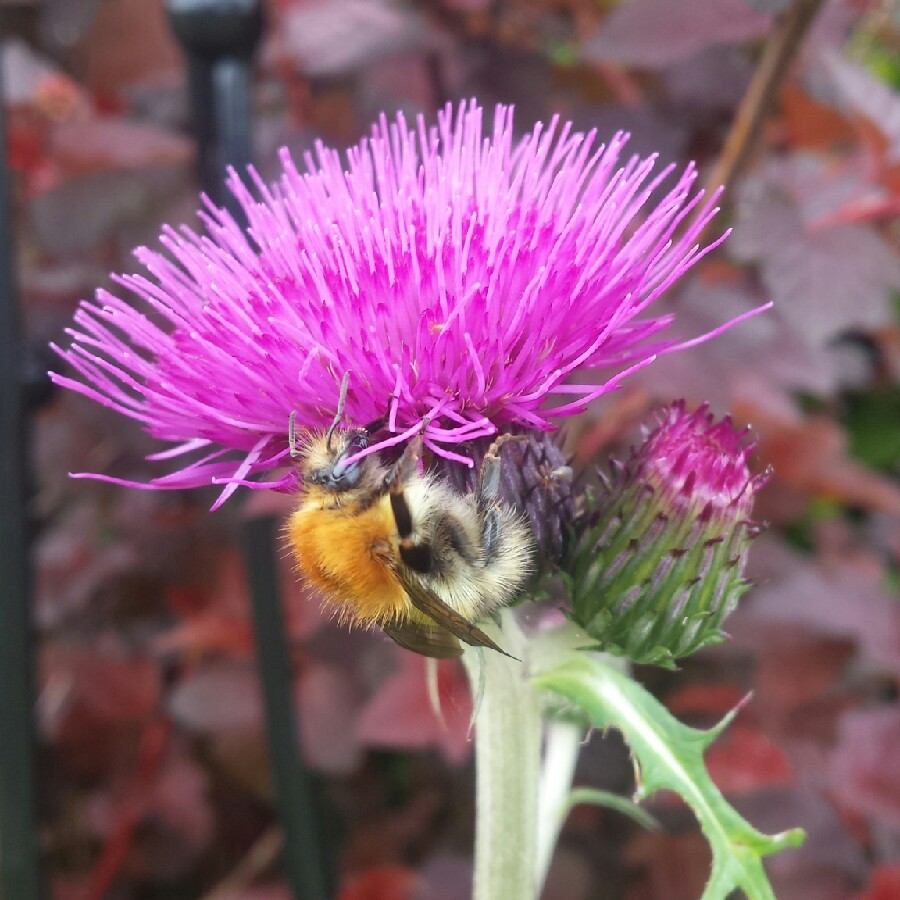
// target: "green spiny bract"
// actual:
[[661, 564]]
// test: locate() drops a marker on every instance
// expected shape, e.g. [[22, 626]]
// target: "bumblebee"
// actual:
[[389, 545]]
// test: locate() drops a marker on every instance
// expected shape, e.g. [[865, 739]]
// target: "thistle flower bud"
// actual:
[[661, 565], [535, 480]]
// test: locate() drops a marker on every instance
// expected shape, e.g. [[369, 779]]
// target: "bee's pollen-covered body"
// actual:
[[342, 552], [397, 547], [352, 554]]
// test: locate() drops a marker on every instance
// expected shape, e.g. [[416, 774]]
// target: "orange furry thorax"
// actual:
[[347, 553]]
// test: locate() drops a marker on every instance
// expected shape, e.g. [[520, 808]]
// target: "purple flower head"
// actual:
[[459, 276], [697, 467]]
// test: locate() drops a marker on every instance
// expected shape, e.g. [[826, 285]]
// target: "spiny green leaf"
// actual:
[[670, 756], [613, 801]]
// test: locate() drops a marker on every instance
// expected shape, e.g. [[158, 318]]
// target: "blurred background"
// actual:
[[151, 759]]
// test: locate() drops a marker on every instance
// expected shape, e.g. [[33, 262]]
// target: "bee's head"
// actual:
[[325, 460]]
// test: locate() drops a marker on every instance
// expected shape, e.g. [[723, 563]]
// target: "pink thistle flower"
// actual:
[[698, 468], [460, 277]]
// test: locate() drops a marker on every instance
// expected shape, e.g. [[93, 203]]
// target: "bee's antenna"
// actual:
[[342, 399], [292, 435]]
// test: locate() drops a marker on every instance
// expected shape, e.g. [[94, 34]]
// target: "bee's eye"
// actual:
[[358, 442], [343, 475]]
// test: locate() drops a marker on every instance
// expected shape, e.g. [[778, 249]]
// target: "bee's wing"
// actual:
[[428, 602], [429, 640]]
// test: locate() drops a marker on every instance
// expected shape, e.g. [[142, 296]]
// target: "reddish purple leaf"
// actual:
[[401, 715], [830, 859], [831, 601], [72, 561], [823, 281], [265, 892], [708, 84], [884, 884], [329, 702], [335, 37], [868, 96], [225, 697], [767, 216], [108, 142], [570, 877], [832, 280], [730, 366], [656, 33], [103, 203], [222, 697], [865, 765], [98, 683], [382, 883], [744, 760], [448, 878], [770, 6], [23, 72]]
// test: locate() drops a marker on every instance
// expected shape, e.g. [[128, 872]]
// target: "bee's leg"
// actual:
[[292, 435], [488, 492], [489, 475], [404, 468], [342, 399]]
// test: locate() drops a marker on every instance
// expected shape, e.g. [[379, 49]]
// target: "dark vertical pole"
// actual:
[[20, 872], [295, 791], [232, 102], [203, 123], [220, 37]]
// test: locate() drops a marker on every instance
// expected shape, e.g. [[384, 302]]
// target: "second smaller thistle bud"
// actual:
[[661, 563]]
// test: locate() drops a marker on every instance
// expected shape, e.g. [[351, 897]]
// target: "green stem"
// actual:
[[520, 806], [546, 650], [561, 747], [507, 767]]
